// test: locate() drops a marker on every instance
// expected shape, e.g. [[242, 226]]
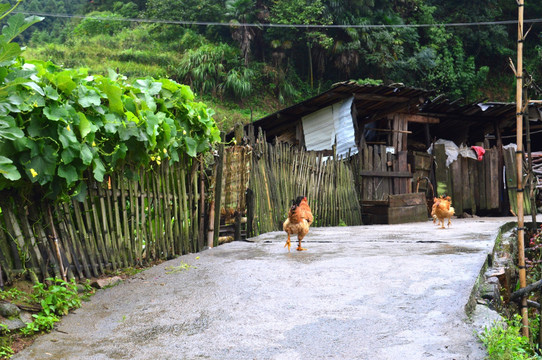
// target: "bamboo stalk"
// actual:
[[144, 242], [79, 256], [125, 219], [133, 218], [178, 245], [158, 217], [106, 228], [138, 233], [97, 239], [5, 262], [33, 246], [185, 226], [519, 159], [120, 240], [218, 193], [168, 210], [88, 248], [56, 245], [194, 206]]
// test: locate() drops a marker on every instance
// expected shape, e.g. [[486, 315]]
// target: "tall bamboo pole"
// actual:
[[519, 161]]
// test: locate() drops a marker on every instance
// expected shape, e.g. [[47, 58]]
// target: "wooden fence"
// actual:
[[280, 173], [122, 223], [511, 181], [381, 173], [473, 185]]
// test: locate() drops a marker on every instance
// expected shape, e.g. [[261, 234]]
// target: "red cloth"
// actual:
[[480, 151]]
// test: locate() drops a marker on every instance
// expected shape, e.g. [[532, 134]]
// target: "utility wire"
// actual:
[[303, 26]]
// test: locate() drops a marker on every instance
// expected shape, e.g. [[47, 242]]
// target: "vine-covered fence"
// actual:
[[121, 223]]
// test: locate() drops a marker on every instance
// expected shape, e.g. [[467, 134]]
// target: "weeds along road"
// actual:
[[365, 292]]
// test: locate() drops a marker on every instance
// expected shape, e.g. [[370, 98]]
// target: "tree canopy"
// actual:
[[236, 61]]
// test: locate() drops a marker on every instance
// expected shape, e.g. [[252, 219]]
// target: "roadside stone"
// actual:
[[13, 324], [490, 291], [105, 282], [26, 317], [9, 310], [483, 317]]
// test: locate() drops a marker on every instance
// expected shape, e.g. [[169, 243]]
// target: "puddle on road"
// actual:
[[451, 250]]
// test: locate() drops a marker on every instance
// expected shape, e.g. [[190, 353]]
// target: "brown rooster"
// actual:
[[442, 210], [298, 221]]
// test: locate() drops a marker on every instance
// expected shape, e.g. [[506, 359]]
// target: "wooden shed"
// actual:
[[385, 133]]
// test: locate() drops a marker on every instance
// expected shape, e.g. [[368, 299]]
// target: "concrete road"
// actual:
[[366, 292]]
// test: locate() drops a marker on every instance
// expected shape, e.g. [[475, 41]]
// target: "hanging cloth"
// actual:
[[480, 151]]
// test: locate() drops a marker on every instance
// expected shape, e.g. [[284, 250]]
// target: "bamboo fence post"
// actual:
[[106, 228], [164, 188], [218, 192], [88, 246], [69, 250], [201, 236], [194, 200], [125, 219], [42, 237], [99, 239], [78, 254], [178, 244], [33, 245], [185, 226], [55, 241], [519, 159], [144, 241], [161, 252], [171, 216], [5, 261]]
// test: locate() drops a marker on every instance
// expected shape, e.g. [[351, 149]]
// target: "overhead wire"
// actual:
[[272, 25]]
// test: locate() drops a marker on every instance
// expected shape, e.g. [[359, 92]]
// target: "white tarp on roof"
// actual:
[[330, 125]]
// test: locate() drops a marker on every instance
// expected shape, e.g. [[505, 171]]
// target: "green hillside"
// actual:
[[246, 71]]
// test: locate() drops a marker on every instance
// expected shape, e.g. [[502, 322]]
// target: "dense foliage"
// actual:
[[57, 124], [239, 63]]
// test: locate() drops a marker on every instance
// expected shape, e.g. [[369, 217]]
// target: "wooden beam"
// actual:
[[422, 119], [392, 130], [373, 97], [393, 174]]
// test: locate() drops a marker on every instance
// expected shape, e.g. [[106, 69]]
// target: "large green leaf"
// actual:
[[69, 173], [86, 154], [8, 170], [4, 8], [87, 97], [9, 129], [84, 125], [148, 86], [55, 112], [114, 94], [98, 169], [66, 136], [8, 53], [17, 24], [191, 146], [68, 155], [65, 82], [80, 193]]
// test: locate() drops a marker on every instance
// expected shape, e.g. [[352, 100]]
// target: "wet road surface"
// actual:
[[365, 292]]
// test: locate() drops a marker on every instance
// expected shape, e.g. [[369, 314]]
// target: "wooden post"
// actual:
[[250, 212], [519, 160], [218, 191]]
